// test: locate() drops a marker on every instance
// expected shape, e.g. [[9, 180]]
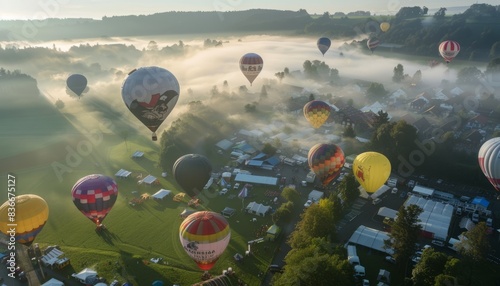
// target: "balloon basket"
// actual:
[[154, 137]]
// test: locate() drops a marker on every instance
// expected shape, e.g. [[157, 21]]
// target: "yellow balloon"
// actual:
[[385, 26], [26, 214], [372, 170]]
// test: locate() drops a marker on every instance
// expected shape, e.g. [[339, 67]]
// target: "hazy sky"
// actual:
[[40, 9]]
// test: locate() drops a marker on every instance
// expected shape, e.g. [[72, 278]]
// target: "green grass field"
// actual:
[[49, 167]]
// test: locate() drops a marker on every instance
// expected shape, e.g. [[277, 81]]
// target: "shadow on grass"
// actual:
[[106, 235], [139, 271]]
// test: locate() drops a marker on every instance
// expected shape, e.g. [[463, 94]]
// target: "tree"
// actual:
[[310, 70], [399, 73], [382, 117], [263, 92], [283, 214], [277, 142], [280, 76], [349, 132], [376, 91], [243, 89], [214, 91], [440, 14], [152, 46], [337, 206], [495, 50], [476, 245], [459, 269], [311, 97], [315, 265], [431, 265], [417, 77], [404, 233], [59, 104], [469, 75], [291, 195], [317, 222], [348, 189], [269, 149], [493, 66], [250, 108]]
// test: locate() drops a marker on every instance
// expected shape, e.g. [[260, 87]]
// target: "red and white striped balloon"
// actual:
[[489, 161], [449, 50]]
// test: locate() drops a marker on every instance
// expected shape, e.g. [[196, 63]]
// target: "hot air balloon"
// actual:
[[372, 170], [489, 161], [317, 112], [204, 236], [373, 43], [192, 172], [77, 83], [323, 44], [326, 161], [449, 50], [94, 195], [150, 93], [384, 26], [251, 64], [31, 214]]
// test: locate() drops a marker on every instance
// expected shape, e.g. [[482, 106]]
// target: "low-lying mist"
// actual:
[[200, 64]]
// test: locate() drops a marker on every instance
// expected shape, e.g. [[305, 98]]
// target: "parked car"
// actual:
[[308, 203], [416, 259], [274, 268], [411, 184], [376, 201], [236, 186], [438, 242], [403, 195], [390, 259], [366, 282], [394, 191], [114, 283]]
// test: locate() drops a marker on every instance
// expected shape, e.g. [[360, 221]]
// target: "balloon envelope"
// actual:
[[192, 172], [204, 236], [77, 83], [372, 170], [489, 161], [150, 93], [31, 214], [373, 43], [316, 112], [384, 26], [449, 50], [326, 161], [94, 195], [323, 44], [251, 65]]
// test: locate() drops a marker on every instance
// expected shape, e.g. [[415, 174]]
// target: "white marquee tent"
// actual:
[[370, 238], [161, 194], [53, 282], [436, 217], [122, 173], [258, 209]]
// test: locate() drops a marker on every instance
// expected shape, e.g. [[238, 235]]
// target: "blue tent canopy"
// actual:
[[481, 201]]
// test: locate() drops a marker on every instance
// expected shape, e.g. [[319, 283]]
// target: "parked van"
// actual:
[[289, 161], [489, 222], [359, 271], [392, 182]]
